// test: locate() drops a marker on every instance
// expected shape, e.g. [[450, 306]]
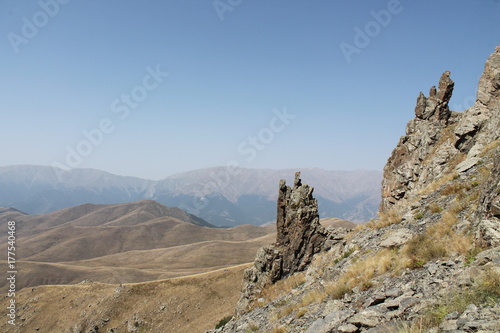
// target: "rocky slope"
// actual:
[[429, 263]]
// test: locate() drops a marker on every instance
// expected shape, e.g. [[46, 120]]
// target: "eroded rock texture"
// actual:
[[299, 237], [418, 158]]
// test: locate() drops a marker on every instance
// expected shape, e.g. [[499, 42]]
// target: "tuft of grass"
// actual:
[[438, 241], [419, 215], [223, 322], [486, 290], [435, 208], [283, 287], [285, 312], [452, 188], [362, 272], [386, 218], [252, 328], [338, 290], [435, 185], [344, 255], [301, 313], [280, 329], [422, 249], [416, 326], [471, 255], [491, 146]]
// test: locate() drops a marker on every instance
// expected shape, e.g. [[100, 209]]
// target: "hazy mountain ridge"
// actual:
[[220, 195]]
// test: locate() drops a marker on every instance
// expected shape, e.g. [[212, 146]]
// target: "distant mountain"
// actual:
[[222, 196]]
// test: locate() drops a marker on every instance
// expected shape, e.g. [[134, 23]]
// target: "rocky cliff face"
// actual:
[[429, 263], [438, 138]]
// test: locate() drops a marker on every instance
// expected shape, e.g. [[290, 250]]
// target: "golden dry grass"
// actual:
[[435, 185], [282, 287], [394, 215], [188, 304]]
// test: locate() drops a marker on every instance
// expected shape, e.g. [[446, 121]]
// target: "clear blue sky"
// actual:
[[74, 66]]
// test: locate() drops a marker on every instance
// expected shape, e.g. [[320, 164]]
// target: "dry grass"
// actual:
[[439, 240], [491, 146], [485, 290], [435, 208], [435, 185], [312, 297], [301, 313], [278, 329], [416, 326], [386, 218], [282, 287], [361, 273], [189, 304]]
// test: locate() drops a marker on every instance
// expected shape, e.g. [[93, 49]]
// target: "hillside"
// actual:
[[110, 243], [189, 304], [429, 263], [222, 196]]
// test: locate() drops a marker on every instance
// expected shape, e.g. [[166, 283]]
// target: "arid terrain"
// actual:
[[188, 304], [86, 262], [125, 243]]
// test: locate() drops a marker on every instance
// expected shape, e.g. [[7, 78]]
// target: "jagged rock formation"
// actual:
[[299, 236], [413, 162], [431, 262], [439, 142], [436, 105]]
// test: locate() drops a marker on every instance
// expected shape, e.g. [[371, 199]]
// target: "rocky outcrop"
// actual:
[[300, 234], [416, 161], [436, 105], [479, 124], [439, 141], [299, 237], [390, 305], [431, 262]]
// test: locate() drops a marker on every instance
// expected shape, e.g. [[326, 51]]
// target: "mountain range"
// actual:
[[223, 196]]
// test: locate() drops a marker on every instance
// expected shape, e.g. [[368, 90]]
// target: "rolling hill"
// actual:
[[123, 243]]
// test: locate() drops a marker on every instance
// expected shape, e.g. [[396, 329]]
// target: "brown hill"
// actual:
[[109, 243], [70, 243], [337, 223], [100, 215], [145, 265]]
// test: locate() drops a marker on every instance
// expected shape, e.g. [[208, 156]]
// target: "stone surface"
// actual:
[[489, 232], [299, 236], [348, 328], [467, 164], [397, 238], [436, 105], [415, 161]]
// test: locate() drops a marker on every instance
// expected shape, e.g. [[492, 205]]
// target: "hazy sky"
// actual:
[[152, 88]]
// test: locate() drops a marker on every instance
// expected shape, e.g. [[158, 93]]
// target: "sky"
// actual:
[[154, 88]]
